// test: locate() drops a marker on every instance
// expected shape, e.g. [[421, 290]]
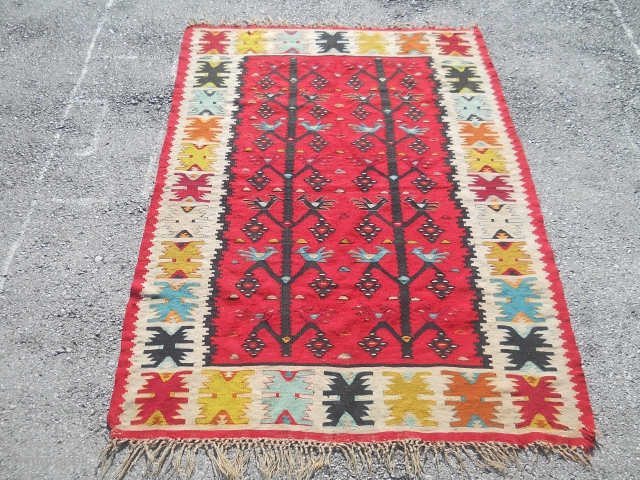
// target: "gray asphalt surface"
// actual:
[[85, 88]]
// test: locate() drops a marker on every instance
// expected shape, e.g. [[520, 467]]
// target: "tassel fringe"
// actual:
[[300, 459]]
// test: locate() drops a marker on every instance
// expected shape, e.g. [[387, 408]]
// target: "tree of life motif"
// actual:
[[368, 228], [319, 344]]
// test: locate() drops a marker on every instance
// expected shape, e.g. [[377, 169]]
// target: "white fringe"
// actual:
[[301, 459]]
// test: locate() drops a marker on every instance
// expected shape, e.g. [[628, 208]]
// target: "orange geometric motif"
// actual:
[[221, 402], [160, 406], [538, 410], [473, 409], [483, 133], [509, 258], [203, 129], [412, 43]]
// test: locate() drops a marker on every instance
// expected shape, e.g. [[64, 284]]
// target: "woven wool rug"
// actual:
[[344, 253]]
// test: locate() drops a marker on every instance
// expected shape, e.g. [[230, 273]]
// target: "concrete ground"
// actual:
[[85, 88]]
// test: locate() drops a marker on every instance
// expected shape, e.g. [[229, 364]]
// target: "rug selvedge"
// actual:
[[345, 246]]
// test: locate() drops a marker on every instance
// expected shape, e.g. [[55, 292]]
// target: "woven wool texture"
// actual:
[[344, 245]]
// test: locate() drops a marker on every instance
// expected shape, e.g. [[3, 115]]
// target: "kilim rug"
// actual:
[[344, 254]]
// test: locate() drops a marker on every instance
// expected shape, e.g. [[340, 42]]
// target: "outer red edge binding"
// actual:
[[572, 354], [126, 347], [520, 440], [574, 361]]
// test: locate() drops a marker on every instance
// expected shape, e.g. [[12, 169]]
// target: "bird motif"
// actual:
[[321, 203], [252, 255], [258, 204], [311, 314], [363, 256], [432, 257], [423, 205], [266, 127], [318, 256], [318, 127], [409, 97], [364, 129], [268, 95], [368, 314], [315, 97], [359, 98], [414, 130], [366, 204]]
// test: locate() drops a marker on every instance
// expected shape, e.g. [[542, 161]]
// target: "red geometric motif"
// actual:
[[161, 407], [191, 185], [212, 43], [485, 188], [307, 256], [538, 410], [453, 44]]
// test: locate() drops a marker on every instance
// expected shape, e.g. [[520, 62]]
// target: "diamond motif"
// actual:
[[414, 114], [440, 286], [424, 183], [319, 81], [364, 181], [317, 181], [368, 285], [266, 82], [248, 285], [322, 230], [360, 113], [367, 229], [318, 112], [372, 344], [253, 344], [254, 229], [408, 82], [362, 144], [318, 143], [259, 180], [319, 345], [355, 83], [442, 345], [263, 142], [323, 285], [265, 111], [430, 230], [418, 146]]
